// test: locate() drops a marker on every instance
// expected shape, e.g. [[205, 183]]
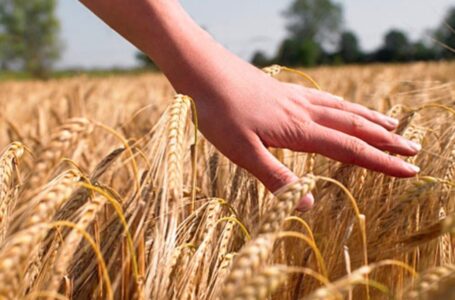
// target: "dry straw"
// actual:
[[62, 140], [15, 255], [183, 222], [178, 112], [8, 163]]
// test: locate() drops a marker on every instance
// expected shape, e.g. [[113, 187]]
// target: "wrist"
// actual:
[[187, 54]]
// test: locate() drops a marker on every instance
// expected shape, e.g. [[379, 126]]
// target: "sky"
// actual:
[[243, 26]]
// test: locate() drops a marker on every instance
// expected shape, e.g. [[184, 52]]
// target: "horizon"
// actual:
[[90, 44]]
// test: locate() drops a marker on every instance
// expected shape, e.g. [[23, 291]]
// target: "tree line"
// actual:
[[29, 38], [315, 26]]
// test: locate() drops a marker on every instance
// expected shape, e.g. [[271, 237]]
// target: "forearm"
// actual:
[[241, 111], [165, 32]]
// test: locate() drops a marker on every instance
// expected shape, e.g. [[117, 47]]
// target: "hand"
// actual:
[[242, 110], [245, 111]]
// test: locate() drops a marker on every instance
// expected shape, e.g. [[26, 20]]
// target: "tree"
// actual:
[[312, 25], [348, 48], [260, 59], [294, 52], [315, 20], [29, 35], [421, 51], [145, 61], [445, 34], [396, 47]]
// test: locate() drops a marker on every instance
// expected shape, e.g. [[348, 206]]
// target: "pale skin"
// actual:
[[242, 111]]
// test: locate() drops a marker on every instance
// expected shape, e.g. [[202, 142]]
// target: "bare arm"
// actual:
[[165, 32], [242, 111]]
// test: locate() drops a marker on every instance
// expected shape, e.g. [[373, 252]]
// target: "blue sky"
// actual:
[[243, 26]]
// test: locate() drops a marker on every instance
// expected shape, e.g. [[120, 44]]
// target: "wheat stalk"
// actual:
[[335, 290]]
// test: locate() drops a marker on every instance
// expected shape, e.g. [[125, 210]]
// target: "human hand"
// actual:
[[244, 111]]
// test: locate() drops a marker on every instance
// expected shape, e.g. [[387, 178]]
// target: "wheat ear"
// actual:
[[199, 258], [437, 283], [65, 255], [445, 241], [175, 138], [15, 255], [262, 284], [62, 140], [252, 256], [8, 161], [286, 200]]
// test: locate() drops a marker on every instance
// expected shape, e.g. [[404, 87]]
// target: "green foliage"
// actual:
[[312, 24], [348, 48], [145, 62], [260, 59], [294, 52], [316, 20], [396, 47], [445, 34], [315, 24], [422, 51], [29, 35]]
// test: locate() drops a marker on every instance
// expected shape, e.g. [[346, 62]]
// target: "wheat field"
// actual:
[[107, 191]]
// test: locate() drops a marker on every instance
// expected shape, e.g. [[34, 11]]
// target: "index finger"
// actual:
[[351, 150], [326, 99]]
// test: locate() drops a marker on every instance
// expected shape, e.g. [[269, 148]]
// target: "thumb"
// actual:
[[273, 174]]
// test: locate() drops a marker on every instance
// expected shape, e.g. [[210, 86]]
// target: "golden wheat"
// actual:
[[161, 214]]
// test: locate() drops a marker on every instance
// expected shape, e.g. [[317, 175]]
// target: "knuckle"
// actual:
[[277, 178], [365, 112], [357, 122], [394, 139], [298, 135], [372, 115], [388, 140], [385, 139], [304, 130], [341, 105], [389, 160], [355, 148], [385, 161]]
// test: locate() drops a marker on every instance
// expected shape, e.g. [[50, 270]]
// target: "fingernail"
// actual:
[[339, 98], [415, 146], [306, 203], [392, 121], [413, 168]]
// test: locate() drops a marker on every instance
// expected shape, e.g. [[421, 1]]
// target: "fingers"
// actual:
[[271, 172], [328, 100], [364, 129], [351, 150]]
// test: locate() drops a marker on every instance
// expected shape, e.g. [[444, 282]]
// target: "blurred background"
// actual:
[[43, 38]]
